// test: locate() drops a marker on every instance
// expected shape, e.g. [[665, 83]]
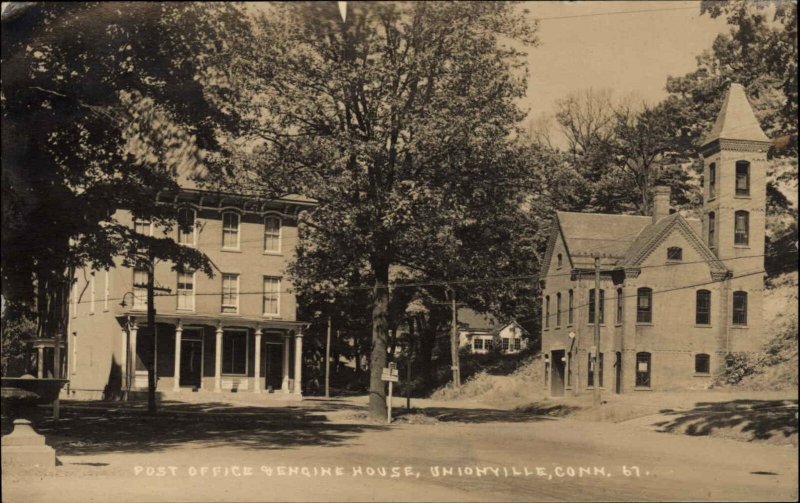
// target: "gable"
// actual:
[[556, 246], [610, 236]]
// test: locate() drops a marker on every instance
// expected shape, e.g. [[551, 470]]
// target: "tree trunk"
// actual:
[[380, 326], [151, 324]]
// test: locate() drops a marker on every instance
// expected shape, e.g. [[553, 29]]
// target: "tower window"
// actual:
[[712, 225], [742, 178], [741, 234], [740, 308], [674, 253], [712, 180]]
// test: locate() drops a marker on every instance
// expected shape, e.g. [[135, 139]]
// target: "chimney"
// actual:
[[661, 195]]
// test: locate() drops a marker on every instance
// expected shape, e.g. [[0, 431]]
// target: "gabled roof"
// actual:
[[736, 120], [609, 235], [654, 234]]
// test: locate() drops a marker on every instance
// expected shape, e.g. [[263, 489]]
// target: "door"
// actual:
[[618, 373], [557, 366], [273, 365], [191, 362]]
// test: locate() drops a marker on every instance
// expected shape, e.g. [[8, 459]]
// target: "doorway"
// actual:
[[272, 365], [557, 366], [191, 362], [618, 373]]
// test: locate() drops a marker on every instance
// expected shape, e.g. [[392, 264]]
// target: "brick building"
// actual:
[[235, 332], [676, 294]]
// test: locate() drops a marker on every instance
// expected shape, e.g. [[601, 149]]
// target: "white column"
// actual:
[[132, 352], [257, 368], [298, 362], [287, 340], [123, 358], [218, 361], [176, 385], [40, 362]]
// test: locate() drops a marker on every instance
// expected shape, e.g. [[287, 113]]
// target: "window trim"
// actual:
[[149, 224], [277, 217], [736, 234], [178, 292], [712, 181], [571, 308], [741, 294], [636, 373], [558, 309], [559, 261], [712, 229], [591, 306], [699, 357], [697, 311], [620, 315], [277, 314], [194, 226], [238, 231], [223, 305], [671, 251], [246, 351], [546, 312], [649, 310], [746, 165]]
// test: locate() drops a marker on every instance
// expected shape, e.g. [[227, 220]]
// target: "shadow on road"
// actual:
[[125, 427], [448, 414], [758, 419]]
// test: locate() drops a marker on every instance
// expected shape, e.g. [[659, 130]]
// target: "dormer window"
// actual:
[[675, 253], [559, 261], [742, 178]]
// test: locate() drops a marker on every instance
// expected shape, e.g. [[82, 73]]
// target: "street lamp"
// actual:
[[123, 304]]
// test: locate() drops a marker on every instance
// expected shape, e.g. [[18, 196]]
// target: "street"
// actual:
[[536, 459]]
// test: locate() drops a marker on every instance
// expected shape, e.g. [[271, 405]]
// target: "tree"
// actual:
[[102, 110], [393, 121]]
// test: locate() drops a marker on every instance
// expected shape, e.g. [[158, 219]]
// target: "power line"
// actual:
[[614, 13]]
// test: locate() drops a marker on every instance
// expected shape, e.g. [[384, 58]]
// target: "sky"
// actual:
[[629, 47]]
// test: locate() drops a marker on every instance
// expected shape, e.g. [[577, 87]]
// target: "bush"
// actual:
[[13, 354], [737, 367]]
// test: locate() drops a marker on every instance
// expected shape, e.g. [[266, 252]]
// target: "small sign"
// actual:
[[390, 374]]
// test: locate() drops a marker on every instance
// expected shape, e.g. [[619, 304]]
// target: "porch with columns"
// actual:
[[254, 375]]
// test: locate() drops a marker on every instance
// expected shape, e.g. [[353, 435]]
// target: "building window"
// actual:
[[506, 343], [139, 289], [675, 253], [600, 368], [742, 178], [712, 228], [644, 305], [643, 370], [558, 309], [272, 234], [186, 291], [487, 344], [230, 230], [143, 227], [91, 293], [702, 363], [703, 308], [620, 304], [230, 293], [272, 296], [477, 344], [741, 228], [712, 180], [547, 312], [570, 308], [517, 344], [560, 260], [740, 308], [592, 306], [75, 298], [234, 352], [107, 291], [186, 227]]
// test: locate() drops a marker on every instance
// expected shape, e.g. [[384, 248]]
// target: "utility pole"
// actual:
[[328, 361], [408, 363], [596, 371], [454, 343]]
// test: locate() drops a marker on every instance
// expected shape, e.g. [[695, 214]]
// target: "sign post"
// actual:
[[391, 375]]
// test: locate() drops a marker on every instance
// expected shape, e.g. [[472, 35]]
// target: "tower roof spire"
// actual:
[[736, 120]]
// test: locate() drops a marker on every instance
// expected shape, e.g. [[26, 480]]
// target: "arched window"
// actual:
[[740, 308], [570, 309], [712, 180], [558, 309], [702, 303], [675, 253], [547, 312], [742, 178], [712, 228], [702, 363], [559, 261], [644, 305], [741, 230], [592, 307], [272, 234], [230, 230], [619, 305], [643, 370], [186, 228]]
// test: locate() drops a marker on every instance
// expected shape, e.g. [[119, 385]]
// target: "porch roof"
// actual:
[[223, 320]]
